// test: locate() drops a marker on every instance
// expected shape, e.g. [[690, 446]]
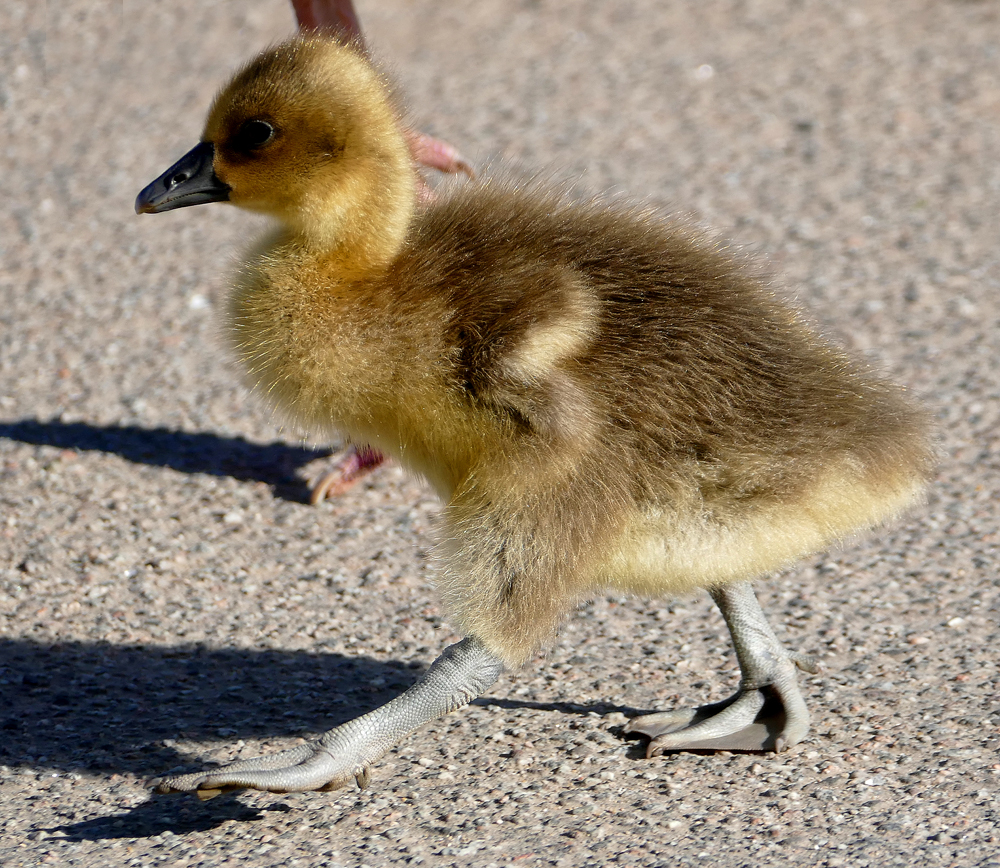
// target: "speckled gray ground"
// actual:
[[167, 597]]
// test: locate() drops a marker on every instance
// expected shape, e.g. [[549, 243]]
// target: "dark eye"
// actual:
[[252, 135]]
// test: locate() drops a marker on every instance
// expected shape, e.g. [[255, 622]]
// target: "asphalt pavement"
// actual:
[[168, 596]]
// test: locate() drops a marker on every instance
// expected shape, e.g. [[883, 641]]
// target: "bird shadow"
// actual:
[[111, 709], [174, 816], [272, 463], [103, 708]]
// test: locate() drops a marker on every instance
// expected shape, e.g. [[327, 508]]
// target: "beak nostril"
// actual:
[[189, 181]]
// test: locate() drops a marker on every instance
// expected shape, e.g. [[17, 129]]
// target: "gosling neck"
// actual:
[[363, 220]]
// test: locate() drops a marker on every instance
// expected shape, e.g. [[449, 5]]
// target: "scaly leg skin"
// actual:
[[337, 16], [767, 712], [347, 752], [357, 463]]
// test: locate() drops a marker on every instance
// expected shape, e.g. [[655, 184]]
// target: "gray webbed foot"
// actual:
[[346, 753], [766, 713], [307, 767]]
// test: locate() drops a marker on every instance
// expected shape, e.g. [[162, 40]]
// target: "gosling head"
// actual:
[[307, 134]]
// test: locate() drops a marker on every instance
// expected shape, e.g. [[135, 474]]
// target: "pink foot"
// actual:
[[435, 154], [339, 17], [357, 463]]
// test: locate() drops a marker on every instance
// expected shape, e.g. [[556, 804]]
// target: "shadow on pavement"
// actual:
[[273, 463], [159, 815], [107, 709], [115, 708]]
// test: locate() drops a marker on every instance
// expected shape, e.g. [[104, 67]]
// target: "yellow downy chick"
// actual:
[[602, 399]]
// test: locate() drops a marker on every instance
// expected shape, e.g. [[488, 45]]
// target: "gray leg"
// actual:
[[767, 712], [457, 677]]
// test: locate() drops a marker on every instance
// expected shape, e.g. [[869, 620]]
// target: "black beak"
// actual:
[[189, 181]]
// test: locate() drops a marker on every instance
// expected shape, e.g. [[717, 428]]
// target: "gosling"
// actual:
[[603, 400]]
